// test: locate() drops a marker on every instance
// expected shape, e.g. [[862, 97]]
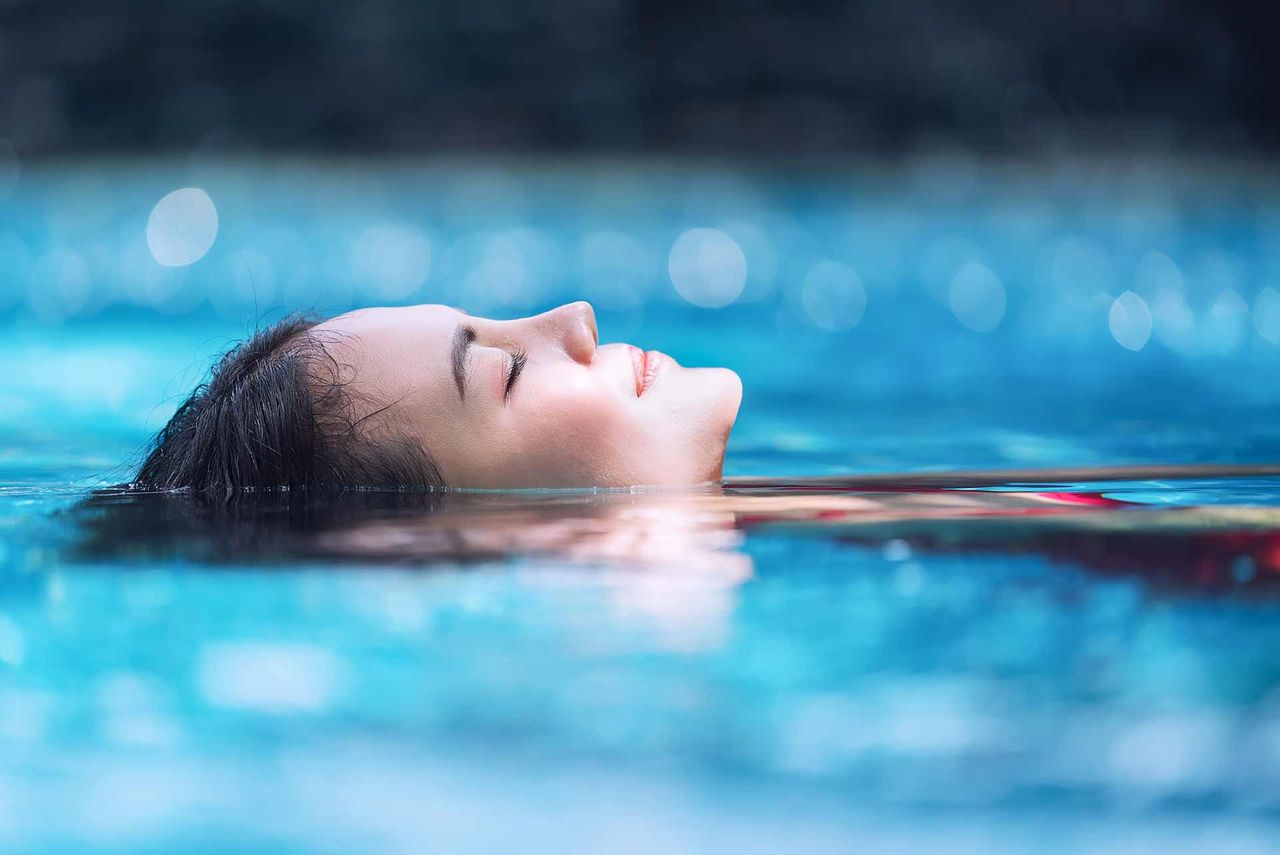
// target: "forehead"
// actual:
[[394, 352], [427, 320]]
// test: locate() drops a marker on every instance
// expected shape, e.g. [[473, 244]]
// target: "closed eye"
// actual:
[[518, 360]]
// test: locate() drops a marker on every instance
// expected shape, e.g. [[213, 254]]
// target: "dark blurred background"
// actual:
[[752, 77]]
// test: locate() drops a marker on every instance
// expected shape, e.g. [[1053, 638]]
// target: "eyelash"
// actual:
[[517, 365]]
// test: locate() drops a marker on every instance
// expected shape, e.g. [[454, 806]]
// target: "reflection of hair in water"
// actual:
[[277, 413], [123, 525], [397, 527]]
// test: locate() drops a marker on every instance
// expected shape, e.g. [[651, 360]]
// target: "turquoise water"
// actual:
[[1062, 655]]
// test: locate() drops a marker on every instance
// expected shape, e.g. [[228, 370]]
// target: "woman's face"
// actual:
[[534, 402]]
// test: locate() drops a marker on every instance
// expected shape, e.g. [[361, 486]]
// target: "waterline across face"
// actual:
[[534, 402]]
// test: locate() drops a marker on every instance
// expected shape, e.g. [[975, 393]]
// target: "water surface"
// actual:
[[964, 589]]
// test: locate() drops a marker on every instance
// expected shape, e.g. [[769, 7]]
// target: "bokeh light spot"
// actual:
[[977, 297], [182, 227], [707, 267], [1266, 314], [1158, 272], [391, 259], [833, 296], [1225, 324], [617, 269], [499, 275], [1130, 321], [269, 677]]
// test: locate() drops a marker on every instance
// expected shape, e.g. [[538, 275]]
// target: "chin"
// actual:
[[728, 396], [696, 412], [724, 396]]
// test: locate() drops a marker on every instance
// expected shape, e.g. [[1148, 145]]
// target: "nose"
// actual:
[[574, 325]]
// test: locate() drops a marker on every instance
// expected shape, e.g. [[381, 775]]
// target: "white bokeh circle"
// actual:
[[1130, 321], [1266, 314], [707, 267], [977, 297], [182, 227], [833, 296], [391, 260]]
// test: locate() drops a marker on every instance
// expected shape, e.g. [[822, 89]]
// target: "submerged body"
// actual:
[[1100, 518]]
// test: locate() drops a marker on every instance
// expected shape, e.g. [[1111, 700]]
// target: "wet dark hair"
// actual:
[[277, 414]]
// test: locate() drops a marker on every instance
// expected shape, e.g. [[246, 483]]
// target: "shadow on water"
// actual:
[[1188, 528]]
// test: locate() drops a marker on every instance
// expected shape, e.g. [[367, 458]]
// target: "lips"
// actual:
[[646, 365]]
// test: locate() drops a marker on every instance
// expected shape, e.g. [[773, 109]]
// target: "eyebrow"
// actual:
[[462, 338]]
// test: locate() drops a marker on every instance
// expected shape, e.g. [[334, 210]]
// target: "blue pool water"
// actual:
[[1062, 656]]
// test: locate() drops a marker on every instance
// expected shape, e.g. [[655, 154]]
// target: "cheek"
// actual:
[[575, 433], [579, 435], [584, 415]]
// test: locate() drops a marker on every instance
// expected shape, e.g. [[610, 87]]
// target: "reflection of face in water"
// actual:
[[695, 533], [669, 563]]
